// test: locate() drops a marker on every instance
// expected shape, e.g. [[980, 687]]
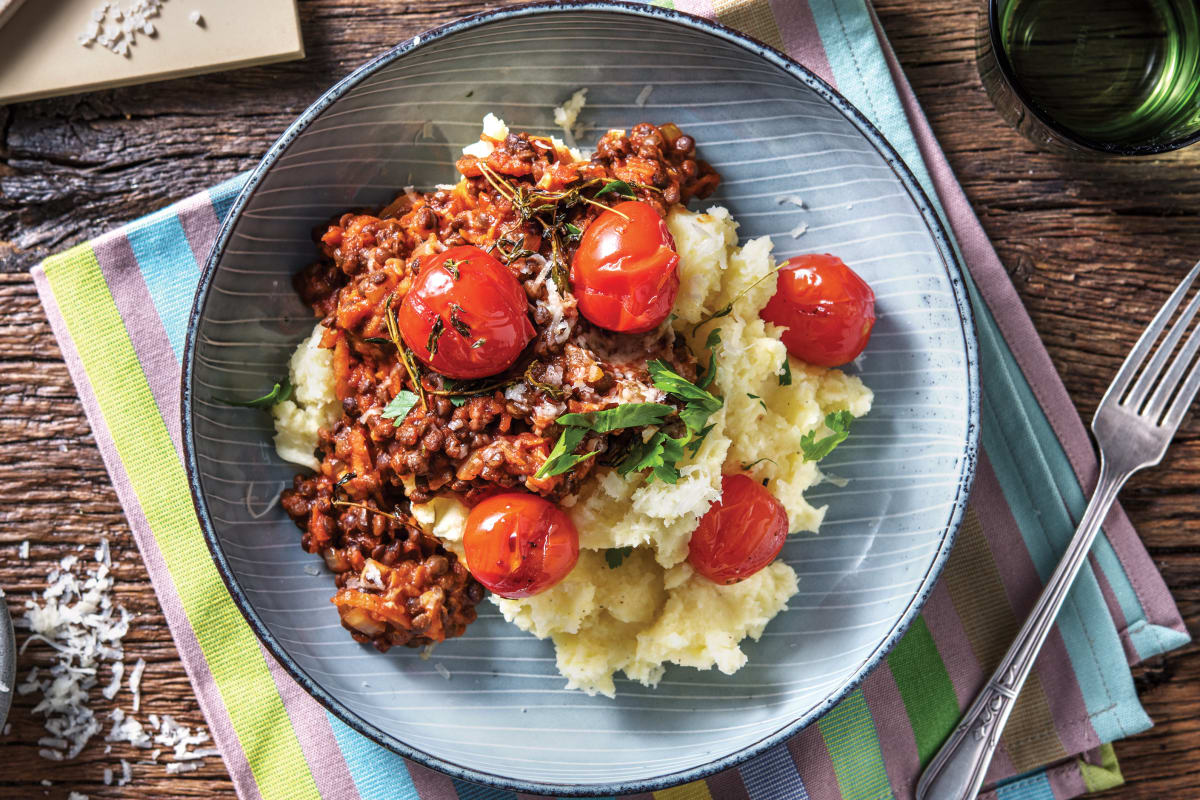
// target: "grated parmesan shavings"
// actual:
[[76, 618]]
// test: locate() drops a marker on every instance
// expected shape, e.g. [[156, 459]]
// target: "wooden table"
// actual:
[[1092, 245]]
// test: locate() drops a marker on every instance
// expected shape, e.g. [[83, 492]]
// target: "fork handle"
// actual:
[[958, 769]]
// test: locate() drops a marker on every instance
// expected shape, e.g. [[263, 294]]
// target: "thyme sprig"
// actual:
[[405, 356], [728, 308], [339, 502]]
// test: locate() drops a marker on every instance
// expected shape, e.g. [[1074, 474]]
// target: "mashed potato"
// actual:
[[312, 406], [652, 609]]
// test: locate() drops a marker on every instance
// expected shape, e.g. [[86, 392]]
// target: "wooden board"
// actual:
[[1093, 246], [40, 54]]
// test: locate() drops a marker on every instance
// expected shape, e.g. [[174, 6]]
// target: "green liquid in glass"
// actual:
[[1116, 72]]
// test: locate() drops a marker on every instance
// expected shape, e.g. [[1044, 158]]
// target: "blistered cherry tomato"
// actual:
[[465, 315], [740, 534], [827, 308], [625, 273], [518, 545]]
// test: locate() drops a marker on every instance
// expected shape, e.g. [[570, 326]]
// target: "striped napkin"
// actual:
[[118, 305]]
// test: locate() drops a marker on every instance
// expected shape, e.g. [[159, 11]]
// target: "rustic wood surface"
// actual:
[[1092, 245]]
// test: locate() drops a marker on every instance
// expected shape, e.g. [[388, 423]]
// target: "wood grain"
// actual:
[[1093, 247]]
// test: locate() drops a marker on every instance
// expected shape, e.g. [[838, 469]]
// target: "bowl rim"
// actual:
[[950, 261]]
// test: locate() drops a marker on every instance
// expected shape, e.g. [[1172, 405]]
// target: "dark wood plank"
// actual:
[[1092, 245]]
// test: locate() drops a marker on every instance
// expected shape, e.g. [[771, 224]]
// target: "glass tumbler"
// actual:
[[1107, 76]]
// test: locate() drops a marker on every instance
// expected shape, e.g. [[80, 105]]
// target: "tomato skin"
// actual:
[[518, 545], [827, 308], [625, 274], [740, 534], [493, 307]]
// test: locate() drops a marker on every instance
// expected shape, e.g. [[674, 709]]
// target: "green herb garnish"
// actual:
[[562, 457], [755, 463], [659, 454], [620, 187], [435, 333], [456, 322], [377, 340], [368, 509], [576, 426], [728, 309], [785, 377], [714, 339], [400, 405], [279, 392], [451, 266], [699, 404], [699, 438], [573, 231], [838, 422], [613, 556], [630, 415], [403, 353], [759, 399]]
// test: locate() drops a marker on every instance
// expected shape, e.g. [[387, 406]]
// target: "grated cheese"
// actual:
[[114, 686], [76, 617], [135, 683], [566, 116], [79, 621]]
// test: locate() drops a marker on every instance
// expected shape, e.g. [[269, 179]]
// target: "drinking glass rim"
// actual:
[[1093, 145]]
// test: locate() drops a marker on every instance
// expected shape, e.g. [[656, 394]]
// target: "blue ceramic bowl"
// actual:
[[772, 129]]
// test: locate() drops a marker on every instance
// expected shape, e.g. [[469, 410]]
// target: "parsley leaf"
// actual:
[[699, 438], [699, 404], [785, 377], [577, 426], [713, 341], [630, 415], [279, 392], [659, 454], [620, 187], [615, 555], [401, 404], [815, 449], [562, 457]]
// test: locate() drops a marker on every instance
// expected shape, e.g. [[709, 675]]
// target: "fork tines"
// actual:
[[1166, 382]]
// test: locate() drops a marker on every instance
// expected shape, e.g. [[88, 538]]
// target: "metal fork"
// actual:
[[1134, 424]]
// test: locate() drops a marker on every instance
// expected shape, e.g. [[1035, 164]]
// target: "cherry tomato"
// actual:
[[625, 273], [465, 315], [740, 534], [518, 545], [827, 309]]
